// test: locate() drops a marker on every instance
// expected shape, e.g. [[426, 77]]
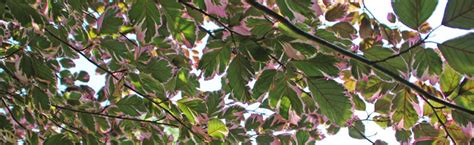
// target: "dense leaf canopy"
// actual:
[[312, 63]]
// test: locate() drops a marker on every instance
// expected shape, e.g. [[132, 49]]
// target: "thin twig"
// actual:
[[112, 116], [11, 115], [12, 53], [64, 128], [439, 120], [408, 49], [400, 53], [209, 15]]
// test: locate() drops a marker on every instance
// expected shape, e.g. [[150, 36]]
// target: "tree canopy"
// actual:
[[312, 63]]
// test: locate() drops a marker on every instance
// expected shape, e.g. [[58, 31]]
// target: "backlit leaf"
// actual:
[[327, 94], [413, 13]]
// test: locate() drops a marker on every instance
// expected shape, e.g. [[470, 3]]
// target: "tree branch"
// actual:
[[408, 49], [12, 53], [125, 84], [13, 117], [401, 52], [209, 15], [64, 128], [112, 116], [356, 57]]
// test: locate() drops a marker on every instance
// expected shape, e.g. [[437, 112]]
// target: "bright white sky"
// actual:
[[380, 8]]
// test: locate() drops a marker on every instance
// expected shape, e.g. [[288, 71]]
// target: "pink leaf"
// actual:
[[218, 10], [391, 17], [317, 8]]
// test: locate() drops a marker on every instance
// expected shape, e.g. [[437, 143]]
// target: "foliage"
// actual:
[[307, 68]]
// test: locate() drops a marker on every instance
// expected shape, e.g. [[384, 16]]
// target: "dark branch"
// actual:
[[13, 116], [353, 56], [401, 52], [112, 116], [12, 53], [64, 128], [209, 15]]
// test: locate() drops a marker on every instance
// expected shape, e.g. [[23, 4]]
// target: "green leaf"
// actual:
[[254, 121], [109, 22], [459, 14], [459, 52], [358, 102], [23, 12], [328, 94], [239, 73], [357, 130], [403, 136], [73, 96], [383, 104], [424, 131], [336, 12], [216, 128], [40, 98], [117, 49], [344, 29], [159, 69], [427, 61], [191, 108], [282, 4], [67, 63], [215, 60], [57, 139], [449, 80], [215, 103], [380, 53], [302, 137], [83, 76], [318, 65], [259, 27], [264, 139], [87, 120], [403, 109], [237, 135], [145, 13], [187, 83], [131, 105], [413, 13], [263, 83], [465, 96], [462, 118], [284, 97]]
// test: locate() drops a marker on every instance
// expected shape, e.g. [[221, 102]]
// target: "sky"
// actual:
[[380, 8]]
